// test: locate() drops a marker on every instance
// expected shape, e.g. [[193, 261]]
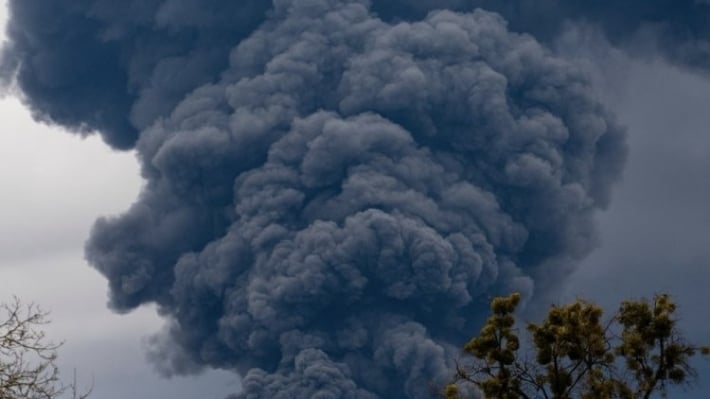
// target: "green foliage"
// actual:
[[496, 346], [574, 353]]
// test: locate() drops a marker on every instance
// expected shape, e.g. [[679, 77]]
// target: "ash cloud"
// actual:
[[677, 30], [116, 67], [328, 207]]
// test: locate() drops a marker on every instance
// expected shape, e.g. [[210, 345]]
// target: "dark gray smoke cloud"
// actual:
[[327, 208], [678, 30], [117, 66]]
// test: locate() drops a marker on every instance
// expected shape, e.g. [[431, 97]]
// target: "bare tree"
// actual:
[[28, 367]]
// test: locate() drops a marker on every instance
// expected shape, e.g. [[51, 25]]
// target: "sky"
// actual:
[[54, 186], [652, 237], [42, 258]]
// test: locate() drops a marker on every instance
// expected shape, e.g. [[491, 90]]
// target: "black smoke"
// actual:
[[115, 67], [330, 196], [677, 30]]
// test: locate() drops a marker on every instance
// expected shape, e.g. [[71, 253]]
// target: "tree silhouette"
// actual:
[[28, 367], [575, 354]]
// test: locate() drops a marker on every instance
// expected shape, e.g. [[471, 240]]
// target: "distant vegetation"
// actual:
[[574, 353]]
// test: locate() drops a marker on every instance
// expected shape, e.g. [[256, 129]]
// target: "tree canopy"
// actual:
[[574, 353]]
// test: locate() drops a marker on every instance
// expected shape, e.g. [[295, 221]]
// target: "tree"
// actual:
[[28, 367], [575, 354]]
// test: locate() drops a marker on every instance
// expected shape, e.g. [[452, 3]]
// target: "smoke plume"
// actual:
[[115, 67], [677, 30], [330, 196]]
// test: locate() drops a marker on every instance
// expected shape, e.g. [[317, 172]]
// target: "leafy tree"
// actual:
[[575, 354], [28, 367]]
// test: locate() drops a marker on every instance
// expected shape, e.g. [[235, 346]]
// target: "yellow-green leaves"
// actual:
[[495, 351], [451, 391], [575, 353], [652, 346], [571, 344]]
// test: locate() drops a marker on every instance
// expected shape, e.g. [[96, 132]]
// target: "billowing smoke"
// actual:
[[117, 66], [330, 197], [678, 30]]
